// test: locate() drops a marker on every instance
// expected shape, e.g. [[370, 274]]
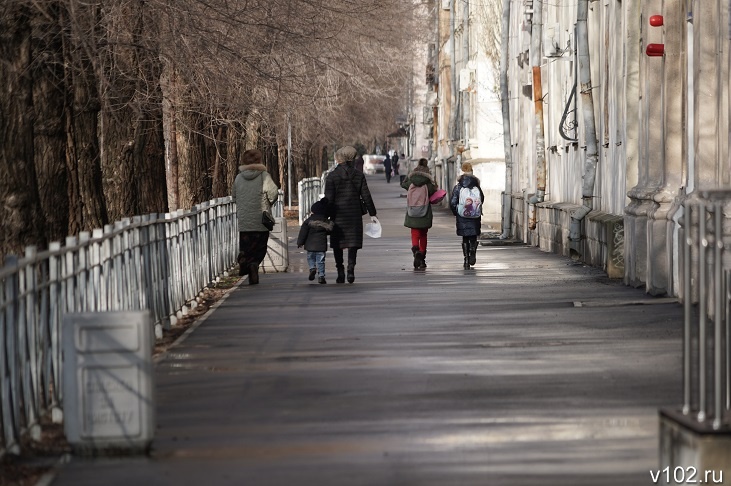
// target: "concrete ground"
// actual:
[[529, 369]]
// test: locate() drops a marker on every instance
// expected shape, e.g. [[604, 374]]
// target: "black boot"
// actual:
[[466, 253], [473, 252], [341, 273], [352, 257], [240, 259], [422, 266], [253, 274], [418, 260], [414, 249]]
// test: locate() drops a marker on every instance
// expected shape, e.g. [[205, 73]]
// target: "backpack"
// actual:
[[470, 204], [417, 201]]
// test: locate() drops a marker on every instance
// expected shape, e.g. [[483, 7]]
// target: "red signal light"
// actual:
[[656, 21], [655, 50]]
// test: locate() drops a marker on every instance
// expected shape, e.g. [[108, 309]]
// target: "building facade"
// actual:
[[618, 111]]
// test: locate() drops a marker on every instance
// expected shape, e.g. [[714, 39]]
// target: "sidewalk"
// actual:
[[527, 370]]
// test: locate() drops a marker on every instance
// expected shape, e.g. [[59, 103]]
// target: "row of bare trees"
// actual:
[[120, 107]]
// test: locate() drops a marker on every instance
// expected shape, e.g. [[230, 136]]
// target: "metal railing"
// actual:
[[707, 341], [278, 206], [159, 262], [308, 192]]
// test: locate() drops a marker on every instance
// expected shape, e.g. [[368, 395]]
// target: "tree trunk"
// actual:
[[324, 161], [281, 145], [87, 209], [219, 161], [122, 129], [49, 130], [193, 180], [151, 187], [168, 80], [20, 211], [234, 148]]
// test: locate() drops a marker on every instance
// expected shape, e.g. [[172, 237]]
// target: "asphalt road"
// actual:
[[527, 370]]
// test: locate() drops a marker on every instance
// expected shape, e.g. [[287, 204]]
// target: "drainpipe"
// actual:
[[465, 64], [505, 100], [536, 46], [587, 109], [453, 94]]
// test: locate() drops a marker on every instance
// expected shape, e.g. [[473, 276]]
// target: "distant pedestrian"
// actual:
[[395, 163], [313, 236], [359, 162], [403, 168], [387, 167], [466, 205], [347, 191], [254, 192], [420, 185]]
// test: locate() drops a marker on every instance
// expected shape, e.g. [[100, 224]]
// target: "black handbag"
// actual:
[[267, 220]]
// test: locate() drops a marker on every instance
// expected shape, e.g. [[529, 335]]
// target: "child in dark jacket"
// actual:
[[313, 236]]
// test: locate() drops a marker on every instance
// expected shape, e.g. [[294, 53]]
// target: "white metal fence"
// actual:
[[309, 191], [707, 340], [159, 262]]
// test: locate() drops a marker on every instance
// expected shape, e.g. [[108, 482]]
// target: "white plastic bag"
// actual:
[[373, 229]]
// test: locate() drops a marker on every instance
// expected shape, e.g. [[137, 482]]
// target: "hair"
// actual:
[[467, 167], [250, 157], [423, 162]]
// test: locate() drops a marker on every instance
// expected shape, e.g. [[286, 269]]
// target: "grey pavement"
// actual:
[[527, 370]]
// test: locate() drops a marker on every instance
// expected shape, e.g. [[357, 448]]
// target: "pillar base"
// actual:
[[687, 447]]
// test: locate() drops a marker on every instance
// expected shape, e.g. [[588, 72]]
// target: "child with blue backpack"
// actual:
[[313, 236]]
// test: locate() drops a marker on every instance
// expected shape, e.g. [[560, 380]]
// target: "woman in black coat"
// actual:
[[345, 187], [467, 228]]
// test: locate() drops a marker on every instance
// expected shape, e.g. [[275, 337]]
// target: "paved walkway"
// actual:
[[527, 370]]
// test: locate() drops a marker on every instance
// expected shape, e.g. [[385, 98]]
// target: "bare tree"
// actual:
[[20, 211], [146, 105], [49, 133]]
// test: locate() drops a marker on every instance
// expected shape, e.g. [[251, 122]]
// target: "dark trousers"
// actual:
[[252, 247], [352, 254]]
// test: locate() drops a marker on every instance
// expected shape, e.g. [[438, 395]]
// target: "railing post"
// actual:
[[82, 270], [703, 304], [107, 268], [8, 373], [55, 315], [717, 316], [687, 303], [95, 261], [27, 344]]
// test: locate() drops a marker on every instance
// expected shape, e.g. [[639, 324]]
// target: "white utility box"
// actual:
[[277, 258], [108, 388]]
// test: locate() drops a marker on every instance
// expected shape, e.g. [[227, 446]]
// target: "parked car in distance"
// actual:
[[373, 164]]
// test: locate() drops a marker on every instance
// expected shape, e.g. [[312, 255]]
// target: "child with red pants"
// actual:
[[420, 185]]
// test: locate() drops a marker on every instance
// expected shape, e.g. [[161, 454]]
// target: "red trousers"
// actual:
[[418, 238]]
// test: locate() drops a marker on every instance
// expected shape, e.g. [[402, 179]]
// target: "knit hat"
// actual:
[[345, 154], [467, 168], [320, 207]]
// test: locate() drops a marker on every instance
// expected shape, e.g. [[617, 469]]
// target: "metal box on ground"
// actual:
[[109, 405], [277, 258]]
